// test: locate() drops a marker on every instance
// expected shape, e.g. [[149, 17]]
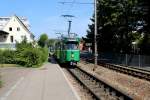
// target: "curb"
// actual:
[[72, 88]]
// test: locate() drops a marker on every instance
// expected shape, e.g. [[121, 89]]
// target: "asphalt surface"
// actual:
[[46, 83], [10, 75]]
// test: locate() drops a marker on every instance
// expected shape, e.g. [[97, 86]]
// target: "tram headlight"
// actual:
[[72, 55]]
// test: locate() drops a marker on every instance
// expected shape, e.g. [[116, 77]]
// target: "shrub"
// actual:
[[25, 55], [44, 54], [1, 57], [0, 83], [31, 56], [7, 56]]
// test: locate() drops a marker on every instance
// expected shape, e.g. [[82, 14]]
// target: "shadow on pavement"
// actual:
[[63, 65], [52, 60]]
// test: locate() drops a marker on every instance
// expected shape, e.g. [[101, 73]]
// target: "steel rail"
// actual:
[[99, 89], [136, 72]]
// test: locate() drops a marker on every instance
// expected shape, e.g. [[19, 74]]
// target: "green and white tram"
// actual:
[[67, 50]]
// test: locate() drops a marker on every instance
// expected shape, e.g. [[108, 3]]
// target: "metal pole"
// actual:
[[95, 34], [139, 57], [69, 28], [139, 60], [126, 59]]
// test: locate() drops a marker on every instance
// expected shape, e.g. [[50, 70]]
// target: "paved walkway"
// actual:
[[46, 83]]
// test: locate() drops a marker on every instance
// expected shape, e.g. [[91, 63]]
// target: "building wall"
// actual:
[[81, 46], [18, 35]]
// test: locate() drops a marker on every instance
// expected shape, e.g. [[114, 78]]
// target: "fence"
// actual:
[[7, 46], [120, 59], [126, 59]]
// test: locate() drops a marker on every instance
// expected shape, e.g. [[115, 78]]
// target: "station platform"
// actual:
[[46, 83]]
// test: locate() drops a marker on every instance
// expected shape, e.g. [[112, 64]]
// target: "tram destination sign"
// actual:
[[88, 44], [72, 39]]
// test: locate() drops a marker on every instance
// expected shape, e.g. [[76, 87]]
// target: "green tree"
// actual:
[[43, 40], [118, 20], [143, 18], [50, 42]]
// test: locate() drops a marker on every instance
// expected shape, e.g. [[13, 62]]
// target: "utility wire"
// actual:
[[75, 3]]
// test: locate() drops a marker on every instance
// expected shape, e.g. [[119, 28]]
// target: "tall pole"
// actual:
[[69, 28], [95, 35]]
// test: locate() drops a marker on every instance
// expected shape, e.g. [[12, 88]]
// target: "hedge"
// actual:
[[25, 55], [7, 56]]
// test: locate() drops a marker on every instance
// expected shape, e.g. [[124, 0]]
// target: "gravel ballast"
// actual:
[[138, 89]]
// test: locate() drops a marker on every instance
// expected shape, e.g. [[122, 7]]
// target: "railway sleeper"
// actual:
[[108, 91], [113, 93], [121, 98], [100, 90], [97, 90], [92, 83], [145, 76], [91, 86], [86, 80], [127, 71], [95, 87]]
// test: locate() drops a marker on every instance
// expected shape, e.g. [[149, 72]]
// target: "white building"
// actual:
[[14, 29]]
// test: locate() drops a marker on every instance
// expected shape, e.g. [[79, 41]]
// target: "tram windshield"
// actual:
[[71, 46]]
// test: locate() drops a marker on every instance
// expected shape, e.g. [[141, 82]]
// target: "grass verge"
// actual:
[[0, 83], [9, 65]]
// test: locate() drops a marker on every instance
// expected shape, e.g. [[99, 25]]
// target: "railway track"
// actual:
[[136, 72], [98, 89]]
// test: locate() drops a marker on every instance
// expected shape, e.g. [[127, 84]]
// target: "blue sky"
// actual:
[[45, 15]]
